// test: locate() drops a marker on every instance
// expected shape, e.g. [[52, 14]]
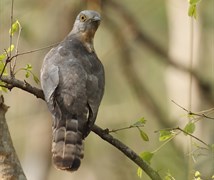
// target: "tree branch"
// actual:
[[12, 82], [127, 151], [10, 167]]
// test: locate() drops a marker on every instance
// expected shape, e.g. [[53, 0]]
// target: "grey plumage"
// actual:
[[72, 78]]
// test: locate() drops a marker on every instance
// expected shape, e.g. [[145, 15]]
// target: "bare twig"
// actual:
[[123, 128], [16, 51], [11, 36], [192, 113], [178, 128], [36, 50]]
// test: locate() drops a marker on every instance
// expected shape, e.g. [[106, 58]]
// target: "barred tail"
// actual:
[[67, 145]]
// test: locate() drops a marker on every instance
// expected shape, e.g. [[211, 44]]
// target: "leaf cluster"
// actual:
[[7, 60]]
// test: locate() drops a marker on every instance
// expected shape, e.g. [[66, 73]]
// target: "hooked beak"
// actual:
[[96, 18]]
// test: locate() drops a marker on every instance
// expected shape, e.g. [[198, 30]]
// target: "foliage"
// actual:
[[14, 28], [6, 58], [189, 128], [192, 12], [166, 135]]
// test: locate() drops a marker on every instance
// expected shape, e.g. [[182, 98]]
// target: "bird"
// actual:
[[73, 79]]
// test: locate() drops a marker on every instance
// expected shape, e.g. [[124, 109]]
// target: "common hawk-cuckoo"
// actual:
[[72, 79]]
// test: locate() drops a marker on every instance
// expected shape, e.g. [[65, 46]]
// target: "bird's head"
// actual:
[[86, 23]]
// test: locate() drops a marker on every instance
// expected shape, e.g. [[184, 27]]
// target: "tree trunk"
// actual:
[[10, 168]]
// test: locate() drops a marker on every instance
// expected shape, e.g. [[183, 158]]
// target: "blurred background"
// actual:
[[145, 47]]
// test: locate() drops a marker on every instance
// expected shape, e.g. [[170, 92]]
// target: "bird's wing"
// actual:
[[49, 75], [95, 91]]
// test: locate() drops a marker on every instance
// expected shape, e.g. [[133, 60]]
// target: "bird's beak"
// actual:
[[96, 18]]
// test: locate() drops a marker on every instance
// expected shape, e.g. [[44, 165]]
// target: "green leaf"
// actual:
[[11, 48], [2, 56], [192, 11], [28, 67], [197, 174], [140, 122], [189, 128], [15, 27], [191, 2], [165, 135], [147, 156], [27, 75], [4, 89], [143, 135], [139, 172], [169, 177]]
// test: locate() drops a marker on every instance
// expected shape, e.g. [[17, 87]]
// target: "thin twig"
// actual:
[[178, 128], [163, 144], [124, 128], [16, 51], [35, 50], [32, 51], [192, 113], [6, 62], [11, 36], [10, 58]]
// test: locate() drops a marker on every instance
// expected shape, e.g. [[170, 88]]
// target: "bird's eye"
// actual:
[[83, 18]]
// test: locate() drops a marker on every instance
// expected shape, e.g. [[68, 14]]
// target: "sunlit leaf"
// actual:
[[2, 88], [147, 156], [189, 128], [165, 135], [2, 56], [11, 48], [194, 1], [139, 172], [140, 122], [197, 174], [192, 11], [27, 74], [15, 27], [143, 135], [169, 177], [28, 67]]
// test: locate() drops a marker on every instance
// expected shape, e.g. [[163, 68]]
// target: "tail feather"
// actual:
[[67, 146]]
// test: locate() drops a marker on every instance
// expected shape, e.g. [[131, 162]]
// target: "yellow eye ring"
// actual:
[[83, 17]]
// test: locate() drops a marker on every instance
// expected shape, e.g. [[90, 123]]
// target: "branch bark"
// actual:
[[127, 151], [10, 167], [12, 82]]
